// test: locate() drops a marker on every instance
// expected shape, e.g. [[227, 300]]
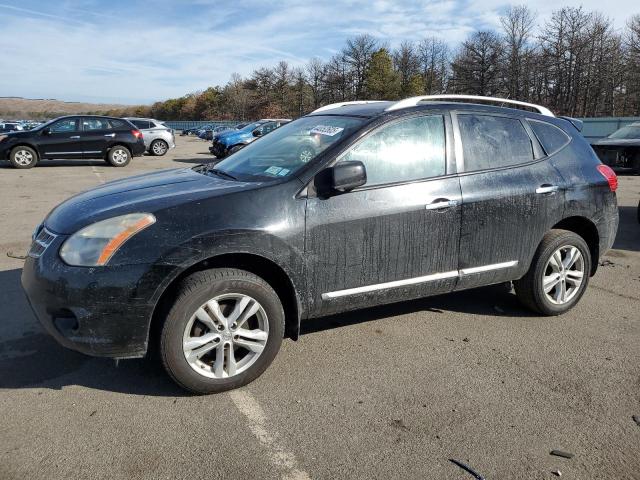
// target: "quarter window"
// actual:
[[492, 142], [142, 124], [64, 126], [550, 137], [409, 149]]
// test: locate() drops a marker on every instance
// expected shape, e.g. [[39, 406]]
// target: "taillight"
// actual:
[[610, 175], [136, 133]]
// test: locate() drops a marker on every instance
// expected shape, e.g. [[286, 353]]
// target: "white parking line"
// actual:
[[281, 458], [98, 174]]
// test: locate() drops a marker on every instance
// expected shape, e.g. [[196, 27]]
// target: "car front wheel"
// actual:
[[23, 157], [558, 276], [159, 147], [223, 331]]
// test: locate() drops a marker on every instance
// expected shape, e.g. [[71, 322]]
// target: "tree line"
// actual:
[[575, 63]]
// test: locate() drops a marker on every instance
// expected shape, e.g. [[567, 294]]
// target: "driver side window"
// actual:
[[65, 125], [409, 149]]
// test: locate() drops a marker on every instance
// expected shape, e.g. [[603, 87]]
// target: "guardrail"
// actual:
[[595, 128], [184, 124]]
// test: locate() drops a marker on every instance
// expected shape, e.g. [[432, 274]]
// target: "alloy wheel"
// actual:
[[225, 336], [119, 156], [23, 158], [159, 148], [563, 275]]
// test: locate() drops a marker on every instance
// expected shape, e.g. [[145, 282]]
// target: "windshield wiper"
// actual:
[[221, 173]]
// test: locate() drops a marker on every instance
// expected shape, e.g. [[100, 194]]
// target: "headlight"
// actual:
[[94, 245]]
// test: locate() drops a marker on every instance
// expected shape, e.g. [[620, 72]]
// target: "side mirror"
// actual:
[[346, 176], [46, 131], [257, 132]]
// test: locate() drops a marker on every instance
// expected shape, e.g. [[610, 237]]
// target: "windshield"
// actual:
[[287, 149], [632, 131]]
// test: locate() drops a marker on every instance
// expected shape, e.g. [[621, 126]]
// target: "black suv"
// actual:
[[74, 137], [213, 265]]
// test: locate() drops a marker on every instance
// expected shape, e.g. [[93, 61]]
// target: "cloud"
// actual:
[[134, 52]]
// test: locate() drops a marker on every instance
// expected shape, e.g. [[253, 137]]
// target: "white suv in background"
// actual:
[[158, 138]]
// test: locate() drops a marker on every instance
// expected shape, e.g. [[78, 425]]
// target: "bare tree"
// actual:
[[476, 68], [434, 57], [517, 25], [357, 54]]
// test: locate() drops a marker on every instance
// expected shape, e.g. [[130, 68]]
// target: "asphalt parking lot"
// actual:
[[392, 392]]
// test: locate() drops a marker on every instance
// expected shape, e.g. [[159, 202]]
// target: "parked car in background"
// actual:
[[230, 142], [621, 148], [209, 132], [10, 127], [158, 138], [115, 140], [217, 263]]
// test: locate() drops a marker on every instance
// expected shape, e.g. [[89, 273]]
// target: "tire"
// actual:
[[119, 156], [529, 289], [212, 372], [23, 157], [158, 148], [234, 149]]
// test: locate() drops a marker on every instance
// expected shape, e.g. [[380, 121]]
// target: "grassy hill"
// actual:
[[36, 109]]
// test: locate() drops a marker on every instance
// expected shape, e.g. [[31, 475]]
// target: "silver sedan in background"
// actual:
[[158, 138]]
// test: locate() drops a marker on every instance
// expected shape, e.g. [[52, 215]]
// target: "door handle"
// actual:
[[440, 204], [75, 136], [110, 135], [547, 189]]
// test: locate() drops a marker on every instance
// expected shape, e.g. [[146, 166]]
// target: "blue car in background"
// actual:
[[226, 143]]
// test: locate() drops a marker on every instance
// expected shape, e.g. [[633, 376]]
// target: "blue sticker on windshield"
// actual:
[[283, 172], [273, 170]]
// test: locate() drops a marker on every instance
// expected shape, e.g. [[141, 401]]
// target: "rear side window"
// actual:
[[143, 124], [492, 142], [119, 124], [550, 137], [89, 124], [410, 149]]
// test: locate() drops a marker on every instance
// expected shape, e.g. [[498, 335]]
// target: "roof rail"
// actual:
[[331, 106], [413, 101]]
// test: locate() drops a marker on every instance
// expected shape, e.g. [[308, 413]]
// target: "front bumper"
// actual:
[[102, 311], [218, 149]]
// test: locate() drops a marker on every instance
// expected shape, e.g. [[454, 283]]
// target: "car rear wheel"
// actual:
[[23, 157], [558, 276], [159, 147], [223, 330], [119, 156]]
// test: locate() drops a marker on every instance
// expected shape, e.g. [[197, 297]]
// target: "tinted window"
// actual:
[[491, 142], [89, 124], [143, 124], [550, 137], [409, 149], [119, 124], [628, 132], [64, 125]]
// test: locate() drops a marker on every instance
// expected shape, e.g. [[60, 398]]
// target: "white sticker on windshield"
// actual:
[[326, 130], [273, 170]]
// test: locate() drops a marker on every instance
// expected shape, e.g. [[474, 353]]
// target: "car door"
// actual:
[[96, 135], [396, 237], [61, 139], [511, 196]]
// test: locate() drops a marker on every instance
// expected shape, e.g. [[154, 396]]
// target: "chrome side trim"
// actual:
[[395, 284], [417, 280], [63, 153], [487, 268]]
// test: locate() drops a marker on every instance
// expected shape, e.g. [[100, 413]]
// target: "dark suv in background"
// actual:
[[213, 265], [74, 137]]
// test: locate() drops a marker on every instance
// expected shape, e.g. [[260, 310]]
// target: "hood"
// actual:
[[618, 142], [144, 193]]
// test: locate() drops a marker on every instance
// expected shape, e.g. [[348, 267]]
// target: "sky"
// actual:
[[129, 51]]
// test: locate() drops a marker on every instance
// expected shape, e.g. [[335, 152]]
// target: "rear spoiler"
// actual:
[[578, 124]]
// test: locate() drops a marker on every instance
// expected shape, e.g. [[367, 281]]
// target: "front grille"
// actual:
[[41, 242]]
